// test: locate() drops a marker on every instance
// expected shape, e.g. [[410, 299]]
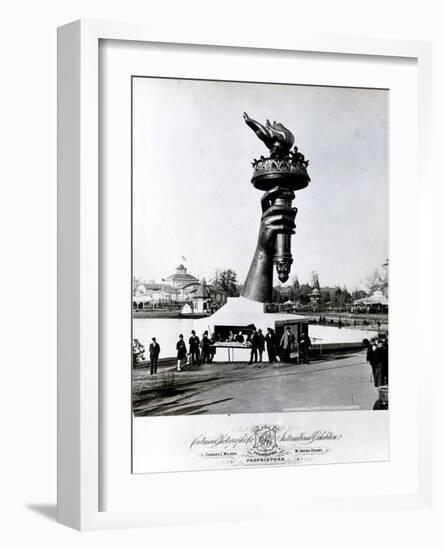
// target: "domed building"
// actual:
[[180, 287], [181, 278]]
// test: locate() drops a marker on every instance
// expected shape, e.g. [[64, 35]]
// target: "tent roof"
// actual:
[[243, 312], [377, 298]]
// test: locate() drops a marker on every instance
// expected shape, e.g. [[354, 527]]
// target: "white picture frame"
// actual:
[[79, 372]]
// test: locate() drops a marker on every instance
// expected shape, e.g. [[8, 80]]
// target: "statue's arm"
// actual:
[[258, 284], [275, 220]]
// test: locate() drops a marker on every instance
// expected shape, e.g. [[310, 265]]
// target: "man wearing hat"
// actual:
[[154, 352], [378, 358]]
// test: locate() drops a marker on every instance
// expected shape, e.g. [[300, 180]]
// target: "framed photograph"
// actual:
[[235, 227]]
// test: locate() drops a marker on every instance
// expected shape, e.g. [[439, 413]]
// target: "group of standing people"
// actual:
[[258, 343], [200, 351], [290, 346], [257, 340], [197, 351], [287, 346], [378, 357]]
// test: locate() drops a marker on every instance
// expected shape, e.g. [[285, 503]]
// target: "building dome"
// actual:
[[180, 277]]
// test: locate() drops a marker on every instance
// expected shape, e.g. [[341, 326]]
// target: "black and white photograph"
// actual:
[[260, 252]]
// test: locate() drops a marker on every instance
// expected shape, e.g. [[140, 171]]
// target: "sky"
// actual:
[[192, 191]]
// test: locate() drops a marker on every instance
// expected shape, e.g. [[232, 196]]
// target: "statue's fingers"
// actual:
[[280, 209], [268, 198], [279, 218]]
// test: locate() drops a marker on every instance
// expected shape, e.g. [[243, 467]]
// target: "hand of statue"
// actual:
[[276, 219]]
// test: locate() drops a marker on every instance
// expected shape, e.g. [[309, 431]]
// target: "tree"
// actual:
[[295, 288], [358, 294], [340, 296], [314, 280], [337, 297], [305, 290], [373, 282], [226, 279], [325, 296], [276, 295], [347, 298]]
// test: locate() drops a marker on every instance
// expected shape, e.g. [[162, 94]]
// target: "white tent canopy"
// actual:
[[244, 312], [378, 298]]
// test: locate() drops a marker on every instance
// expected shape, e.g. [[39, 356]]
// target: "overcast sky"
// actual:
[[191, 177]]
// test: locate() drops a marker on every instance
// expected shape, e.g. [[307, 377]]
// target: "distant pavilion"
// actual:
[[181, 287]]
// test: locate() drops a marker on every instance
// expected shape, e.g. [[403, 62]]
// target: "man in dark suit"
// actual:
[[154, 352], [194, 348], [378, 358], [255, 342], [385, 368], [271, 343], [304, 346], [206, 347], [261, 344]]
